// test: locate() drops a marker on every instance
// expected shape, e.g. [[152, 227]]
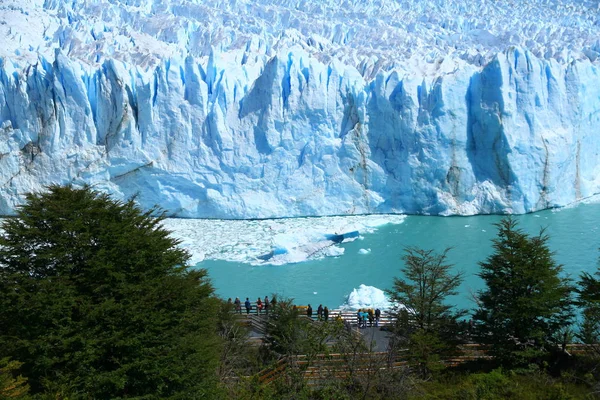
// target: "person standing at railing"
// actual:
[[377, 316], [309, 311], [326, 313], [248, 305], [238, 305], [320, 312], [259, 305], [266, 304]]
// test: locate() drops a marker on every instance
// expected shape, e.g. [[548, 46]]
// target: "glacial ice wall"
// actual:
[[255, 130]]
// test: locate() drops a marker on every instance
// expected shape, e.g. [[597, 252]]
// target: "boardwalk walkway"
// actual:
[[321, 367], [376, 339]]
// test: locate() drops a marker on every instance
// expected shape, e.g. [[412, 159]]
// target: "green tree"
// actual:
[[426, 324], [589, 301], [96, 299], [11, 386], [290, 333], [526, 304]]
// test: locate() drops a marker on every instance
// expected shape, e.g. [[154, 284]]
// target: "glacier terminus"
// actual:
[[279, 108]]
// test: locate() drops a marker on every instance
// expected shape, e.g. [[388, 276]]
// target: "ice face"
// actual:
[[258, 109]]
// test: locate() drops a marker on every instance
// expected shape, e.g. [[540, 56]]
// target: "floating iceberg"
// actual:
[[278, 251], [367, 297], [306, 250], [340, 237]]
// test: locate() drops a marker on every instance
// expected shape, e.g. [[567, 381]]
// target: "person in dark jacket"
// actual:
[[320, 312], [248, 305], [238, 305], [309, 311], [326, 313], [377, 316]]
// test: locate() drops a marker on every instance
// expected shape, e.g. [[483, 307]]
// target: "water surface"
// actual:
[[573, 237]]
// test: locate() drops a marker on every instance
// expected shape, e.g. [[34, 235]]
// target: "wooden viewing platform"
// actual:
[[321, 367], [372, 333], [346, 315]]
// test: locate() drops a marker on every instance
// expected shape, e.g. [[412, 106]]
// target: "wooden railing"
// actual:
[[384, 320], [350, 316], [269, 374], [325, 366]]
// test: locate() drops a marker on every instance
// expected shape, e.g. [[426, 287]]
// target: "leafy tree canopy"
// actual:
[[589, 301], [526, 303], [422, 292], [11, 386], [426, 324], [96, 299], [289, 332]]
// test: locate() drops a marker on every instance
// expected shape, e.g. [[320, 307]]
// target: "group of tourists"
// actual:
[[368, 315], [364, 316], [259, 305], [322, 312]]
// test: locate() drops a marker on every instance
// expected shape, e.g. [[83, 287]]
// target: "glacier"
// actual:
[[279, 108]]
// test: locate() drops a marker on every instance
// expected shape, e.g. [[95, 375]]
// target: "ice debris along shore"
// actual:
[[367, 297], [258, 109], [246, 241]]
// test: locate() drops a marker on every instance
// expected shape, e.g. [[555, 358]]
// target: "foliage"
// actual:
[[500, 385], [589, 332], [11, 386], [589, 301], [426, 325], [526, 304], [289, 332], [239, 358], [338, 358], [96, 299], [427, 284]]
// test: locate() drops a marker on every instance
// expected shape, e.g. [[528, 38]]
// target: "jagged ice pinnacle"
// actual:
[[277, 108]]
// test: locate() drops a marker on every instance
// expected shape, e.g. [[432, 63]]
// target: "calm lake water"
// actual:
[[573, 237]]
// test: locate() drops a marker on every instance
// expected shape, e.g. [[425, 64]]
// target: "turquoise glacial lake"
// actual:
[[573, 235]]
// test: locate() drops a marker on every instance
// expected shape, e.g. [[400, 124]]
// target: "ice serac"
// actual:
[[296, 118]]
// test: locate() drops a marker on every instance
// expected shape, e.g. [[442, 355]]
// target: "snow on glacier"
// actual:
[[275, 108]]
